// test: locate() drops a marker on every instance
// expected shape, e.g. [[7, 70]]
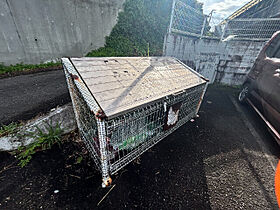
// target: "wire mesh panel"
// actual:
[[186, 19], [86, 121], [133, 133], [116, 139], [251, 28]]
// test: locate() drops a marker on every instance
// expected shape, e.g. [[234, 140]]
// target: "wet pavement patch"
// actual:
[[211, 163]]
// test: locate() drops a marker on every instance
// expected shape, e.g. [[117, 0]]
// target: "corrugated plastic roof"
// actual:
[[123, 83]]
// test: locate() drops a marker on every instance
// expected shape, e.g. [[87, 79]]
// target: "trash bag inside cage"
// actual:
[[134, 132]]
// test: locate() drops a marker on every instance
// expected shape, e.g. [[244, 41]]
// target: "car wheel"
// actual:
[[244, 93]]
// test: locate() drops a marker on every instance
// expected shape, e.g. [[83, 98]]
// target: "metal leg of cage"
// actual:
[[200, 100], [106, 179], [101, 134]]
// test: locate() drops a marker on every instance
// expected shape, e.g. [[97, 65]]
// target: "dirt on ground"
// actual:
[[211, 163]]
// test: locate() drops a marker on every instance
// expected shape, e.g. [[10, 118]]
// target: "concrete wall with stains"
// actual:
[[34, 31], [224, 62]]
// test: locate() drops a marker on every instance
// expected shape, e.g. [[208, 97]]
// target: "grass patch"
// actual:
[[43, 141], [27, 67], [12, 128]]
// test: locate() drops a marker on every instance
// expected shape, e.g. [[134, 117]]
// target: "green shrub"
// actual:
[[141, 22]]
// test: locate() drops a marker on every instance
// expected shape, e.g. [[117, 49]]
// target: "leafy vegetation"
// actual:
[[26, 67], [43, 141], [141, 22], [9, 129], [141, 25]]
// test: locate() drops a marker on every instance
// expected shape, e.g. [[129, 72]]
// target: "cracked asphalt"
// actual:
[[225, 159]]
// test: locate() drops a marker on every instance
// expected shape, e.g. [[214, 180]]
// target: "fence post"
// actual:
[[204, 24], [224, 31], [172, 15]]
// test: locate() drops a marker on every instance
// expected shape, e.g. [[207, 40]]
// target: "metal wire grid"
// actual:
[[89, 99], [253, 28], [133, 133], [86, 121], [186, 19], [116, 142]]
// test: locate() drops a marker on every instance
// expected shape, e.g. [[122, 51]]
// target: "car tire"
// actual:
[[244, 93]]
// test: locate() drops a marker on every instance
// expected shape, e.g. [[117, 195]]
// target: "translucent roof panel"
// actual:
[[123, 83]]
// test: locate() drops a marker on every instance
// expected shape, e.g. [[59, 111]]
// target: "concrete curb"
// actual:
[[63, 115]]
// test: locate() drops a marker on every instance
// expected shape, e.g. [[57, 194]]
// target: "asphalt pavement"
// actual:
[[225, 159], [25, 96]]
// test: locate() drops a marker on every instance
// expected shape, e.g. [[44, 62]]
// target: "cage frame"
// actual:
[[102, 160]]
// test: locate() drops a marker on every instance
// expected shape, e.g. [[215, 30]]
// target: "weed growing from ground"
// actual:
[[9, 129], [43, 141], [26, 67]]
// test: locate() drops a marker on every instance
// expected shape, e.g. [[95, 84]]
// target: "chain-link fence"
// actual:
[[251, 29], [188, 20]]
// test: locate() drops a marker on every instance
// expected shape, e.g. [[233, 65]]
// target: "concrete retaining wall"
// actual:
[[225, 62], [34, 31], [64, 116]]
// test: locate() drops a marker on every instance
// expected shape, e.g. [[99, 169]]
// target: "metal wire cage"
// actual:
[[115, 141]]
